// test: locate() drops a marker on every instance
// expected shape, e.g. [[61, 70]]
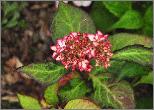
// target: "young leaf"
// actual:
[[146, 79], [28, 102], [69, 19], [76, 89], [45, 72], [137, 55], [81, 104], [117, 8], [102, 18], [148, 22], [131, 70], [109, 97], [51, 94], [130, 20], [122, 40]]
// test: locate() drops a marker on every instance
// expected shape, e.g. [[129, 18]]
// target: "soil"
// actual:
[[20, 47]]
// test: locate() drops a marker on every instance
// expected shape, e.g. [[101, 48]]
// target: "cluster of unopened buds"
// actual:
[[77, 50]]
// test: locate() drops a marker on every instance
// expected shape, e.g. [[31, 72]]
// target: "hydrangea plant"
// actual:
[[106, 59]]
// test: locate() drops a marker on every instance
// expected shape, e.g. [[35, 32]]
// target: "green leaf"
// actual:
[[146, 79], [122, 40], [50, 94], [132, 70], [75, 89], [115, 67], [45, 72], [98, 70], [81, 104], [102, 18], [130, 20], [148, 22], [28, 102], [115, 97], [70, 19], [138, 55], [117, 8]]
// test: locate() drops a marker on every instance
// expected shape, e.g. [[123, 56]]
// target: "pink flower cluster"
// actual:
[[76, 50]]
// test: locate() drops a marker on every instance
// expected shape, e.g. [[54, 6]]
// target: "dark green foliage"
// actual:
[[117, 8], [144, 102], [132, 70], [12, 14], [97, 70], [130, 20], [148, 22], [115, 67], [102, 18], [110, 16]]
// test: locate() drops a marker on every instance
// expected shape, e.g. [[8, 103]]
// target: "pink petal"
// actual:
[[61, 43], [95, 43], [54, 55], [73, 33], [58, 58], [91, 37], [84, 64], [54, 48], [99, 33], [106, 36], [93, 52], [66, 66]]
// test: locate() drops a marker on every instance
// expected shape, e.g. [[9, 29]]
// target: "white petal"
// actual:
[[86, 3], [77, 3], [65, 1], [56, 4]]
